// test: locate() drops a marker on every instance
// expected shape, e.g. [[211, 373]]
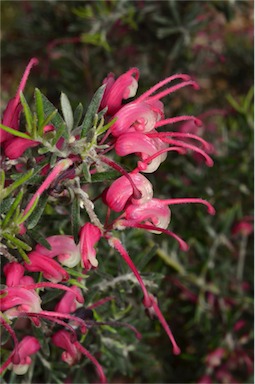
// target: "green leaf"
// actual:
[[75, 219], [104, 128], [16, 242], [102, 176], [12, 208], [36, 214], [2, 179], [35, 235], [6, 204], [28, 113], [49, 108], [24, 255], [78, 115], [49, 118], [23, 217], [92, 110], [58, 134], [86, 173], [67, 111], [39, 110], [14, 132], [21, 180], [98, 39]]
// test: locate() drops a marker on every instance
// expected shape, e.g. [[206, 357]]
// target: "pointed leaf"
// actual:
[[78, 115], [75, 219], [67, 111], [39, 110], [92, 110], [15, 132], [27, 112], [37, 236], [36, 214]]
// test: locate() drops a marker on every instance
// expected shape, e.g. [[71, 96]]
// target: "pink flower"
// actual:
[[117, 90], [15, 147], [15, 300], [144, 113], [140, 117], [50, 269], [89, 236], [144, 147], [69, 302], [121, 192], [214, 358], [62, 246], [64, 340], [12, 112], [243, 226], [21, 359], [153, 212], [13, 273]]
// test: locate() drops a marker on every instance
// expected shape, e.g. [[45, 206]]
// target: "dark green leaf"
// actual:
[[92, 110], [27, 112], [75, 219], [102, 176], [78, 115], [39, 238], [36, 215]]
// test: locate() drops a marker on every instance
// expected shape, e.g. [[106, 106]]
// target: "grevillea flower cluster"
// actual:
[[67, 154]]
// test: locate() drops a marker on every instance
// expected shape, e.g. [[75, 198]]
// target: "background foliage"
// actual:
[[207, 291]]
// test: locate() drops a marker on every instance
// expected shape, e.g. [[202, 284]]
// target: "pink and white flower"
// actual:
[[21, 359], [121, 192]]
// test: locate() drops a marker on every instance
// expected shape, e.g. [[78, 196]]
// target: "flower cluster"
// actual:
[[133, 127]]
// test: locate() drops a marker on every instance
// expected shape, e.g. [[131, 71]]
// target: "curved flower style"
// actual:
[[124, 87], [21, 359], [121, 192]]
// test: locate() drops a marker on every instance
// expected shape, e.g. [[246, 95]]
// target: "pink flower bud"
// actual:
[[117, 90], [89, 236]]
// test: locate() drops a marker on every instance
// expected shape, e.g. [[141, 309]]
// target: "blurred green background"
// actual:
[[205, 294]]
